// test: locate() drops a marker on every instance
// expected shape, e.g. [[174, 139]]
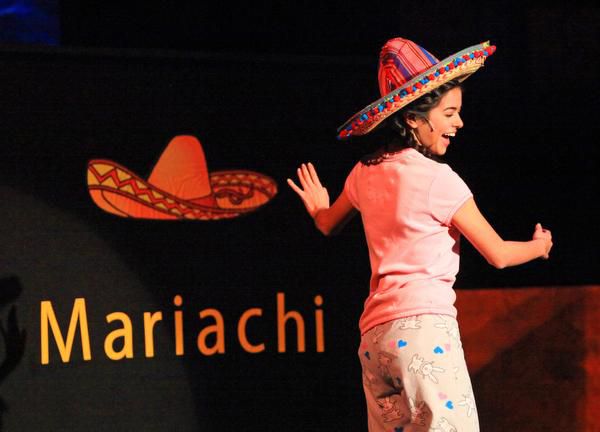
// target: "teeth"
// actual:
[[451, 134]]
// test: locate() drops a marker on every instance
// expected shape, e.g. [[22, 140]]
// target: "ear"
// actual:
[[411, 120]]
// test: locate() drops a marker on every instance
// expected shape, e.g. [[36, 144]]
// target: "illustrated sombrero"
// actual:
[[407, 72], [179, 187]]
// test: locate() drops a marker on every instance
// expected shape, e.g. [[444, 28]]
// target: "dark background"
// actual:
[[264, 87], [528, 149]]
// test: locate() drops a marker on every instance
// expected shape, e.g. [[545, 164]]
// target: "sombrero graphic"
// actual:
[[179, 187]]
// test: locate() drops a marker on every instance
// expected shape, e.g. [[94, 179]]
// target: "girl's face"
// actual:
[[442, 123]]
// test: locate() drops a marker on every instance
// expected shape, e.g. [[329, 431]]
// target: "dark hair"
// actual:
[[395, 133]]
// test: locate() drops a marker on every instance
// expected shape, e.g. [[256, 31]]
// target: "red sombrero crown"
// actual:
[[407, 72]]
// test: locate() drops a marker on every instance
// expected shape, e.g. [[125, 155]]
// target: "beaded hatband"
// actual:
[[458, 66]]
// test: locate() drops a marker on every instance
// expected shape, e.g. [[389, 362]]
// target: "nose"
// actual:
[[458, 123]]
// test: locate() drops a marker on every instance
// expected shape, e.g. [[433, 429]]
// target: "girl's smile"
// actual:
[[442, 123]]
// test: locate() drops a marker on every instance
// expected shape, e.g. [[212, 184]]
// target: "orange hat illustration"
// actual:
[[179, 187]]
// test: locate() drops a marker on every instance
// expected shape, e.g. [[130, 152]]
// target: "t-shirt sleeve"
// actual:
[[350, 187], [447, 194]]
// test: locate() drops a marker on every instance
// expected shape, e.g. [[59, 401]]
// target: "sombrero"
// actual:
[[179, 187], [407, 72]]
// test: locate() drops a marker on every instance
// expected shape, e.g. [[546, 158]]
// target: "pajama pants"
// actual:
[[415, 377]]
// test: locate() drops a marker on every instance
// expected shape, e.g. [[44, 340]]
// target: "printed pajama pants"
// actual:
[[415, 377]]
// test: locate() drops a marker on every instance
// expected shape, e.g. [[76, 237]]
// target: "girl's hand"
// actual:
[[544, 235], [314, 196]]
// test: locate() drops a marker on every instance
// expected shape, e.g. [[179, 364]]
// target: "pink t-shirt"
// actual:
[[407, 203]]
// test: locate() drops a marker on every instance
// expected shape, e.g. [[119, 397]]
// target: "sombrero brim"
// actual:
[[118, 190], [457, 66]]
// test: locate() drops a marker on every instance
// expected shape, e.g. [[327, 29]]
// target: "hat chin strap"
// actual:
[[420, 147], [414, 134], [429, 123]]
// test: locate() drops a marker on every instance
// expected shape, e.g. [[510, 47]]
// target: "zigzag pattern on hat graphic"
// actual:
[[179, 187]]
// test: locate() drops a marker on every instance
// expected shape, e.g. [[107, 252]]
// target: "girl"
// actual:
[[413, 210]]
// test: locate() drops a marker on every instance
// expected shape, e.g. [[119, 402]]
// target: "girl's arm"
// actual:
[[328, 219], [498, 252]]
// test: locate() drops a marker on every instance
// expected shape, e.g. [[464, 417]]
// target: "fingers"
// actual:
[[547, 253], [295, 187], [308, 176], [308, 179], [313, 174], [545, 235], [311, 192], [541, 231], [302, 176]]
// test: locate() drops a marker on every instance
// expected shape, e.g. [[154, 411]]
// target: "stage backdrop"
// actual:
[[138, 296]]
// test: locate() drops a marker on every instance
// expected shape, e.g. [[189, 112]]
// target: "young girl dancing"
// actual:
[[414, 209]]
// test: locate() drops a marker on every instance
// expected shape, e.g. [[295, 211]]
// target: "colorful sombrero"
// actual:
[[407, 72], [179, 187]]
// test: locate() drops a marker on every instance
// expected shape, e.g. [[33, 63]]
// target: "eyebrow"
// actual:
[[450, 108]]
